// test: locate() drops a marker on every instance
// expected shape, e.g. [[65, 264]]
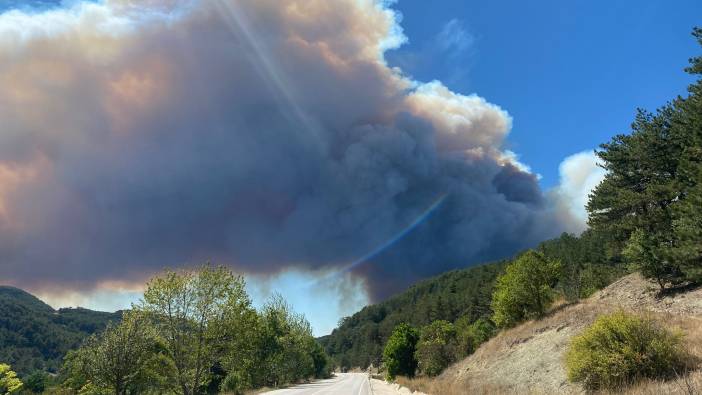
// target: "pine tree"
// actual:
[[650, 174], [688, 223]]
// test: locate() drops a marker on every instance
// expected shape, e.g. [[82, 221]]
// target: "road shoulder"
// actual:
[[381, 387]]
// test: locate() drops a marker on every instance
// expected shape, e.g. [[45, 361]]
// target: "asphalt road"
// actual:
[[341, 384]]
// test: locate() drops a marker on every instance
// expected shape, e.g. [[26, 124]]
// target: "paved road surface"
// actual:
[[341, 384]]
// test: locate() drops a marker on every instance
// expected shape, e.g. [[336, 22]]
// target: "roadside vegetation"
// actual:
[[194, 332], [621, 348], [399, 354]]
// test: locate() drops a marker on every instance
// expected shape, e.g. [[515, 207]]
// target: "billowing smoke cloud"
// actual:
[[264, 134], [579, 175]]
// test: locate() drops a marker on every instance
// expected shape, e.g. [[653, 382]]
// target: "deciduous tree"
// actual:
[[436, 348], [122, 359], [399, 354], [525, 290], [9, 383], [190, 310]]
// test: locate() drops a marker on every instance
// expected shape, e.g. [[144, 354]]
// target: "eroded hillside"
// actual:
[[530, 357]]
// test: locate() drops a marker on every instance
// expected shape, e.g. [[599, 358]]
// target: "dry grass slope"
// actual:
[[529, 359]]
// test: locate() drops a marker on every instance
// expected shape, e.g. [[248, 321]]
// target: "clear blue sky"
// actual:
[[571, 73]]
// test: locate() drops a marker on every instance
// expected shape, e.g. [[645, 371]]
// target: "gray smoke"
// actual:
[[261, 134]]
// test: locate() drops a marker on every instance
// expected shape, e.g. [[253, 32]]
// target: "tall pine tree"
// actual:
[[646, 203]]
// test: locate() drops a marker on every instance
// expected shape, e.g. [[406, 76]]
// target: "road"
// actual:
[[340, 384]]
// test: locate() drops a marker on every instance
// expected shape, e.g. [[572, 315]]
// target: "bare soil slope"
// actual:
[[529, 359]]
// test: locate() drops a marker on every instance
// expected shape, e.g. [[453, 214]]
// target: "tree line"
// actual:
[[194, 332]]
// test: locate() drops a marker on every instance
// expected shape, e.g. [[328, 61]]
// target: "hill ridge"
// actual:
[[35, 336]]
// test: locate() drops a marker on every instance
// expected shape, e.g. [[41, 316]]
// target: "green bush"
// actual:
[[469, 336], [436, 348], [619, 348], [36, 382], [398, 355]]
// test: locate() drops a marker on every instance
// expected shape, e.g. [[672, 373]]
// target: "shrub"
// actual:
[[436, 348], [398, 355], [470, 336], [525, 290], [36, 382], [619, 348]]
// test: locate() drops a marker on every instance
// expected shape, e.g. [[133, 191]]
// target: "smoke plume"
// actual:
[[261, 134]]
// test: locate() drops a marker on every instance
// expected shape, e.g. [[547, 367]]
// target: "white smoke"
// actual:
[[579, 175]]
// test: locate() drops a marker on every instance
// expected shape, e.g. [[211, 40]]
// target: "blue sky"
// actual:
[[571, 73]]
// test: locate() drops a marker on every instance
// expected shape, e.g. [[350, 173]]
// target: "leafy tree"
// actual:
[[322, 364], [436, 348], [525, 290], [240, 346], [189, 310], [120, 359], [9, 383], [36, 382], [399, 354], [586, 264], [469, 336], [288, 343]]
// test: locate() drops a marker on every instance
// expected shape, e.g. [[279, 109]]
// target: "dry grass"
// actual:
[[442, 387]]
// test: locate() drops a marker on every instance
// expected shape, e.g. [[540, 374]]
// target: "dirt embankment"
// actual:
[[529, 359]]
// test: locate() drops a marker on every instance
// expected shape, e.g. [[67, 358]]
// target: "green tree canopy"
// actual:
[[687, 224], [287, 343], [9, 383], [525, 290], [436, 348], [190, 310], [470, 335], [399, 354], [195, 332], [123, 359]]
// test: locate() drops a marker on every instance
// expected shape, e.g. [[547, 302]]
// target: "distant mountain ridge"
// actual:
[[35, 336]]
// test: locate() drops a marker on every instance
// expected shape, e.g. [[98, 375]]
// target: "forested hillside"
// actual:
[[34, 336], [359, 339], [465, 295]]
